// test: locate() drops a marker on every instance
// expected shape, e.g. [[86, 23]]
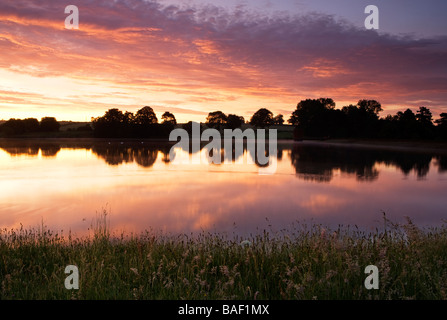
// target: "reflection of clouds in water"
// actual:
[[190, 200], [320, 203]]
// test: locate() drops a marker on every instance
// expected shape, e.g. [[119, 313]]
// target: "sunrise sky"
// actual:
[[195, 56]]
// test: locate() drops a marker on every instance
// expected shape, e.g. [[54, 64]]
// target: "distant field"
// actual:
[[71, 125]]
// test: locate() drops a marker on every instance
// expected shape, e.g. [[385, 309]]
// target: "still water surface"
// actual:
[[66, 184]]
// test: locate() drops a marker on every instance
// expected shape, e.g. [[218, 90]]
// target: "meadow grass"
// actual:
[[307, 262]]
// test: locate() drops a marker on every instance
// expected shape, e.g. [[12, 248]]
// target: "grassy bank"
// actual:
[[310, 263]]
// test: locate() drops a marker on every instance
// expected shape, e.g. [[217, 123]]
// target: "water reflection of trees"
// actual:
[[233, 154], [113, 153], [442, 163], [31, 149], [144, 156], [311, 162], [319, 163]]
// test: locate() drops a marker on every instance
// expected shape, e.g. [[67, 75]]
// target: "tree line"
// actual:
[[312, 118], [22, 126], [319, 118], [144, 123]]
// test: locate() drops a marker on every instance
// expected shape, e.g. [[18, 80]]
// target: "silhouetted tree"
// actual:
[[309, 109], [145, 124], [234, 121], [18, 126], [372, 107], [49, 124], [116, 124], [426, 128], [362, 120], [424, 116], [356, 120], [32, 125], [168, 124], [262, 118], [407, 124], [145, 116], [129, 118], [278, 120], [216, 119], [443, 120], [114, 116], [313, 117], [406, 116], [112, 124], [168, 117], [441, 126]]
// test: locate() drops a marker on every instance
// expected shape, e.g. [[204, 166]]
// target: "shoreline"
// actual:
[[424, 146], [438, 147]]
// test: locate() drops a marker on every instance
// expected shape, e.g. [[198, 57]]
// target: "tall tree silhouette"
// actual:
[[362, 120], [278, 120], [314, 117], [168, 124], [372, 107], [441, 125], [424, 116], [49, 124], [168, 117], [114, 123], [262, 118], [145, 116], [234, 121], [425, 121], [216, 119]]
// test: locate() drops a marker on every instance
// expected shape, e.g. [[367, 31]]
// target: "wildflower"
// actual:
[[292, 260], [323, 233], [225, 271]]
